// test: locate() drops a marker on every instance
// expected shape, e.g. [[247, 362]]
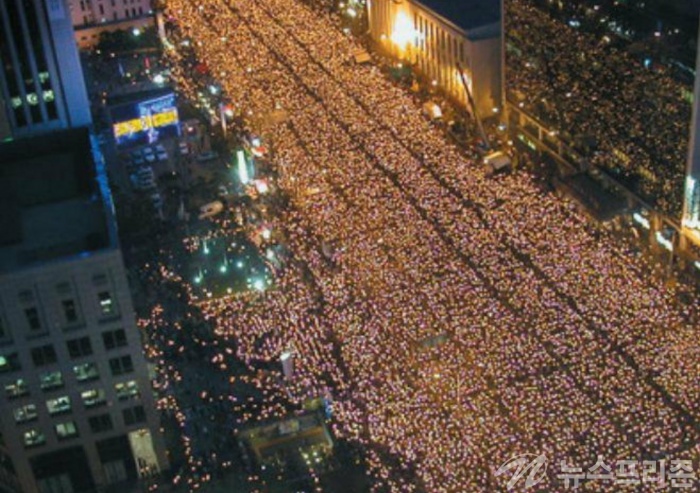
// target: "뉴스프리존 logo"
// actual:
[[530, 467]]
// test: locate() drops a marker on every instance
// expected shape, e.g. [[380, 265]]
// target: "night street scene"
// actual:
[[349, 246]]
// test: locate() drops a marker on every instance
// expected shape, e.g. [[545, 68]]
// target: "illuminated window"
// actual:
[[25, 413], [126, 390], [33, 437], [66, 430], [9, 362], [58, 405], [106, 303], [51, 380], [86, 372], [16, 389], [93, 398]]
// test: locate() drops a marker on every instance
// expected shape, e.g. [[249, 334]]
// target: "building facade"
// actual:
[[90, 12], [41, 79], [74, 384], [691, 208], [437, 36], [92, 17]]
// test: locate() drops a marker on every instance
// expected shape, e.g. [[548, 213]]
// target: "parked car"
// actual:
[[145, 171], [138, 160], [156, 200], [148, 155]]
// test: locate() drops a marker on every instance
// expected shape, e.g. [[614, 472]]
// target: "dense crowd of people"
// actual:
[[635, 120], [461, 319]]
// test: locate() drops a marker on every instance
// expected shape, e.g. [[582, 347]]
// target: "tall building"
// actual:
[[79, 411], [434, 36], [691, 207], [41, 79]]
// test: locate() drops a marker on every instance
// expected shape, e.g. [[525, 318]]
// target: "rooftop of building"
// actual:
[[466, 14], [52, 203]]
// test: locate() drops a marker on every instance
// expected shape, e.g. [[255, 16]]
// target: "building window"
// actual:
[[51, 380], [66, 430], [93, 398], [99, 279], [16, 389], [33, 321], [106, 303], [59, 405], [114, 339], [33, 438], [26, 296], [9, 362], [122, 365], [63, 288], [86, 372], [78, 348], [69, 311], [134, 415], [44, 355], [101, 423], [25, 413], [3, 330], [125, 390]]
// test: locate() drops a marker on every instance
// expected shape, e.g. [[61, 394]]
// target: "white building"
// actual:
[[79, 412], [436, 36], [92, 17]]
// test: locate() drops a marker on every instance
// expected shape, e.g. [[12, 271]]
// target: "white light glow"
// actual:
[[663, 241], [242, 168], [641, 220], [403, 32]]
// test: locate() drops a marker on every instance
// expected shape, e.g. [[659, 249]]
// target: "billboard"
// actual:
[[145, 122]]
